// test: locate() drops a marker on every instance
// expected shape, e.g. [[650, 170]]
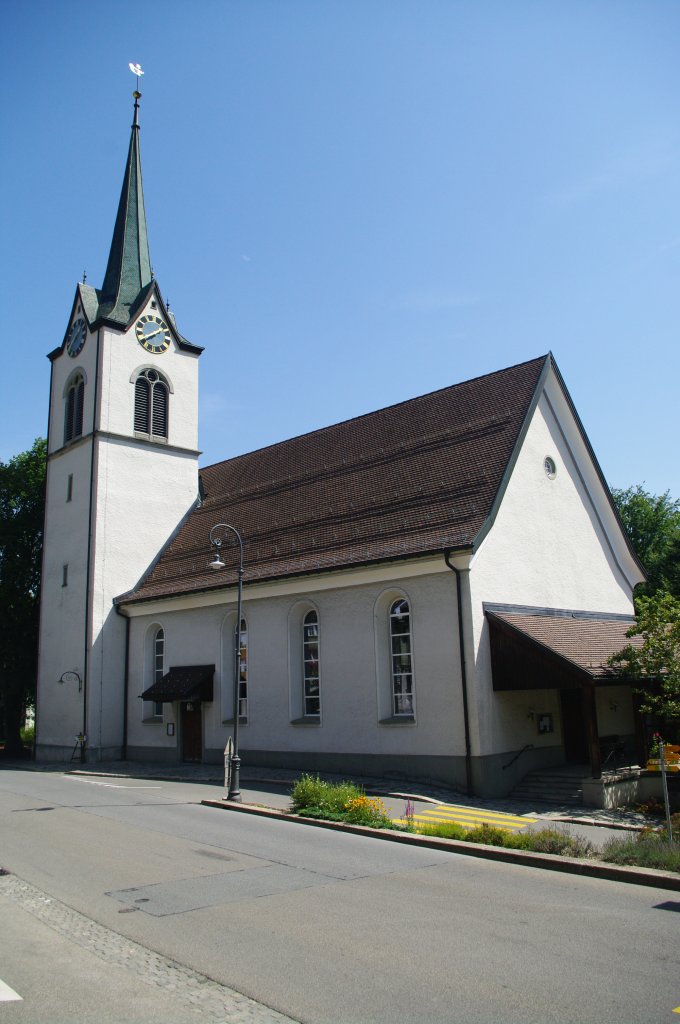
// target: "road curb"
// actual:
[[547, 861]]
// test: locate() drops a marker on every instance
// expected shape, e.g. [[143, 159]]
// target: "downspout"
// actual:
[[126, 683], [463, 676]]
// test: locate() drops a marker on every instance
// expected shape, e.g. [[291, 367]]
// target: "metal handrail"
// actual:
[[529, 746]]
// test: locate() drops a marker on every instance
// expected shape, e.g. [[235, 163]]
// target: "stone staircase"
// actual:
[[553, 785]]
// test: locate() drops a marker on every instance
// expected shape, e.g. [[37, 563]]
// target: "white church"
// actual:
[[430, 591]]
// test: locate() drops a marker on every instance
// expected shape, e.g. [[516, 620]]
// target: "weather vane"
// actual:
[[136, 69]]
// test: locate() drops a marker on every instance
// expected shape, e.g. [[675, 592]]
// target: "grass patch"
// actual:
[[546, 840], [644, 852], [553, 840], [442, 830]]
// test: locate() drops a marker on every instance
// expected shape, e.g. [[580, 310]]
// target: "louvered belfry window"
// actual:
[[75, 397], [151, 404]]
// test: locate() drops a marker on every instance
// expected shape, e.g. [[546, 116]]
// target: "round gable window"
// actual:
[[549, 467]]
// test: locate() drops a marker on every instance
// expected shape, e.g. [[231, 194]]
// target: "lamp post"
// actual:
[[216, 541]]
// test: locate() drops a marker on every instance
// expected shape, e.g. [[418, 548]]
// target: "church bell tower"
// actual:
[[122, 472]]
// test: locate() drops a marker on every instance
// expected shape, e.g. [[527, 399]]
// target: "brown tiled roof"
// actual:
[[414, 478], [586, 639]]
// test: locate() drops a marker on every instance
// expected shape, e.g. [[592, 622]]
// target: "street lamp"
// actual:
[[216, 540]]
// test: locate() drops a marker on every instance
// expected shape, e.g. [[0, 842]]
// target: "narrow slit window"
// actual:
[[158, 667], [69, 487]]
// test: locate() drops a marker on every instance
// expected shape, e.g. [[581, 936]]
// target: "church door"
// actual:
[[192, 731], [574, 727]]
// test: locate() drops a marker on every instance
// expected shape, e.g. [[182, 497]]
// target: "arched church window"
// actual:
[[73, 418], [310, 664], [151, 404], [243, 672], [402, 668]]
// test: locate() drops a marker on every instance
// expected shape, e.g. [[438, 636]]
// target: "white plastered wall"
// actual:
[[141, 492], [350, 713], [555, 543], [62, 611]]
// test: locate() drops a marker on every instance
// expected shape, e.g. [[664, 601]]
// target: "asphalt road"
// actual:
[[142, 883]]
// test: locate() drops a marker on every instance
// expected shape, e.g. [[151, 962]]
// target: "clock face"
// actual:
[[76, 337], [153, 334]]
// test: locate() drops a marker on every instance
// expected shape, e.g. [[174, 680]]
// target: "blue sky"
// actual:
[[353, 202]]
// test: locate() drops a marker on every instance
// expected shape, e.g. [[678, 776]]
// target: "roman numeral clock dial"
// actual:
[[153, 334]]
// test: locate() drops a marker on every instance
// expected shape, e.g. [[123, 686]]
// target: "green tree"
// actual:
[[658, 658], [652, 523], [22, 504]]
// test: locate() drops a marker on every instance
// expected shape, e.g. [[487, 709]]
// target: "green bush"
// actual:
[[311, 797], [643, 852], [320, 813], [310, 791], [366, 810], [552, 840], [28, 735], [488, 835]]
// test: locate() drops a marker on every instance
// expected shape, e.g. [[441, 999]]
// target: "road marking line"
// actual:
[[8, 995], [107, 785], [455, 812], [676, 1010], [468, 817]]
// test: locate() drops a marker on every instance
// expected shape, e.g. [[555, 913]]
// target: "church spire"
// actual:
[[129, 268]]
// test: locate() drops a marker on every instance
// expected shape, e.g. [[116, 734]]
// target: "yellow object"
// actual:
[[469, 817]]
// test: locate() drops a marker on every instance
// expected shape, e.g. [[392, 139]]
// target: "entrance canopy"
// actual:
[[184, 682], [558, 649], [554, 648]]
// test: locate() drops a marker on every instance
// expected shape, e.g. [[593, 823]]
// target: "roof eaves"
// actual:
[[517, 447], [561, 613], [532, 641], [598, 468], [129, 597]]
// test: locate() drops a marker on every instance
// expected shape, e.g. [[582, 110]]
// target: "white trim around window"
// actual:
[[394, 651]]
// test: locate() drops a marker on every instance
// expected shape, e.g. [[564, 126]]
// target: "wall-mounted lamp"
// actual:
[[71, 677]]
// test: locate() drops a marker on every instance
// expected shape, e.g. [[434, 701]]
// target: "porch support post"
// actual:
[[590, 721]]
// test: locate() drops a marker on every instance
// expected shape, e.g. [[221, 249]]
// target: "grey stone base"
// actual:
[[55, 753], [496, 775], [446, 771], [157, 755]]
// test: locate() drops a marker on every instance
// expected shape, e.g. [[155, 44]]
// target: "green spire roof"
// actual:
[[128, 271]]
